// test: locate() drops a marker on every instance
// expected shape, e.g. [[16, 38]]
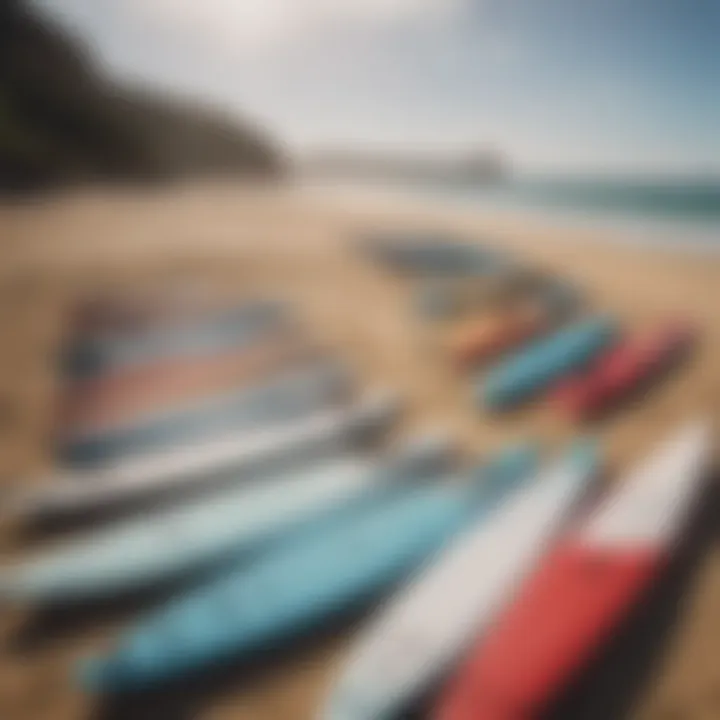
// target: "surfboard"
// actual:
[[430, 254], [122, 395], [289, 396], [536, 368], [233, 327], [509, 327], [227, 524], [340, 565], [420, 633], [637, 360], [242, 454], [582, 589]]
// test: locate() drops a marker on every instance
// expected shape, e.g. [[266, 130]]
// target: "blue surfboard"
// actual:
[[535, 368], [340, 565]]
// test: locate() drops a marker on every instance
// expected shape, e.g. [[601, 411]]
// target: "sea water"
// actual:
[[675, 213]]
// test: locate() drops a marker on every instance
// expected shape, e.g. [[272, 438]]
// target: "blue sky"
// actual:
[[602, 85]]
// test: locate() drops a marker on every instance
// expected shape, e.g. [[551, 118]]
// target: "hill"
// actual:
[[62, 121]]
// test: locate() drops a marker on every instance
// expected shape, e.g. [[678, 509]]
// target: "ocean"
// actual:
[[680, 214]]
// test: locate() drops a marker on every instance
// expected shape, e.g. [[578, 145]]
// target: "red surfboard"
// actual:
[[119, 396], [582, 590], [623, 369]]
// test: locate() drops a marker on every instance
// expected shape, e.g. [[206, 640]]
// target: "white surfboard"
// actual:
[[428, 624], [227, 524], [583, 588], [238, 453]]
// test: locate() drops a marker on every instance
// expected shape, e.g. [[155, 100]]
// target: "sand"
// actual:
[[297, 246]]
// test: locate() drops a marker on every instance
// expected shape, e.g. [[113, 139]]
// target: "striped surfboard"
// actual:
[[288, 397], [232, 328]]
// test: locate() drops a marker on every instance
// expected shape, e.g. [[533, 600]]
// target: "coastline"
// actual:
[[666, 234]]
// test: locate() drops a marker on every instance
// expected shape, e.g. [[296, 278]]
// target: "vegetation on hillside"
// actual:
[[61, 121]]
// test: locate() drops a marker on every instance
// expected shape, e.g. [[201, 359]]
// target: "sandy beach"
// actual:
[[298, 247]]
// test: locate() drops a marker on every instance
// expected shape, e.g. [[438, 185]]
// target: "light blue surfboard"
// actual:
[[170, 543], [535, 368], [331, 569]]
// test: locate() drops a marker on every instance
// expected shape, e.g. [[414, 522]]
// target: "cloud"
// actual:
[[260, 23]]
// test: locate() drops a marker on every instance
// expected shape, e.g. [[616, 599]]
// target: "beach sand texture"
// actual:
[[251, 241]]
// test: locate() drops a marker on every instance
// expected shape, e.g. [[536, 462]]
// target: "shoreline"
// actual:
[[620, 229]]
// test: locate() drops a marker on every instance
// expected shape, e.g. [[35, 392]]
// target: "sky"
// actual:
[[556, 85]]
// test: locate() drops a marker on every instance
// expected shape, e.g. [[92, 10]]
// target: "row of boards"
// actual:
[[526, 329], [404, 525], [296, 526]]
